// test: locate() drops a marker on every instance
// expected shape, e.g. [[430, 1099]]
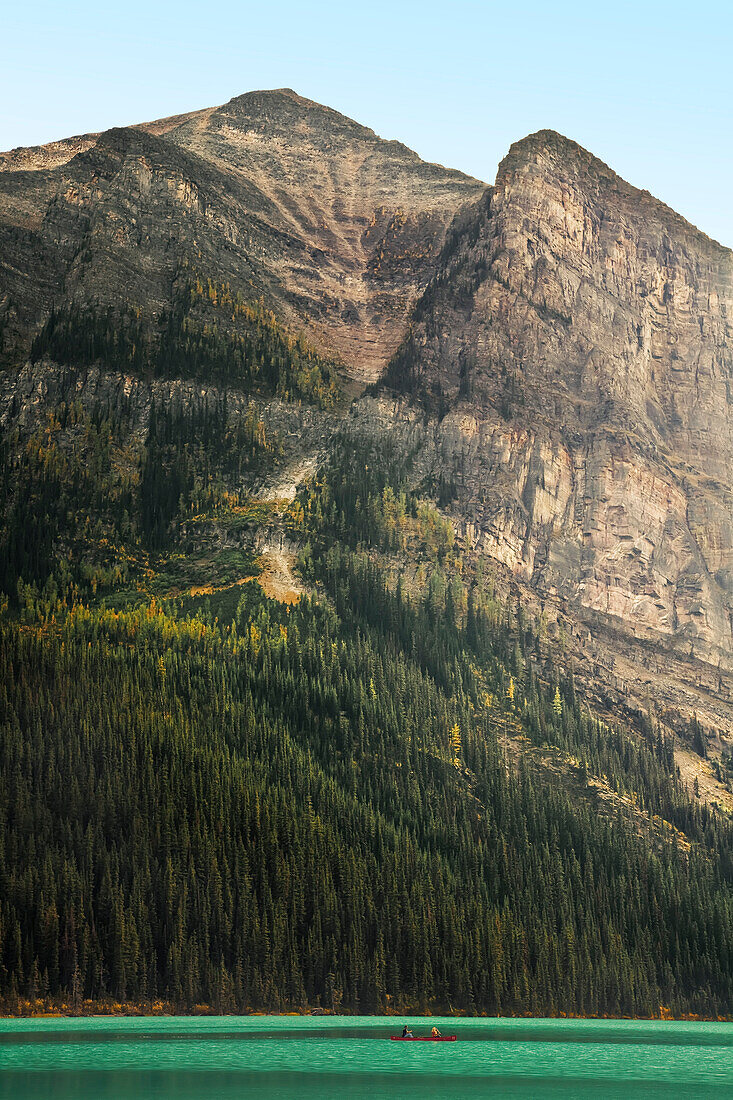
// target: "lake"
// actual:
[[351, 1057]]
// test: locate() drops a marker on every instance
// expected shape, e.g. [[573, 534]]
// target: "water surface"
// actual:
[[219, 1058]]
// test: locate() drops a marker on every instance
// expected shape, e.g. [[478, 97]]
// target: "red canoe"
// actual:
[[424, 1038]]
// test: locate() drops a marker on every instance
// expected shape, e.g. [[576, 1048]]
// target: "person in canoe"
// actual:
[[435, 1034], [406, 1033]]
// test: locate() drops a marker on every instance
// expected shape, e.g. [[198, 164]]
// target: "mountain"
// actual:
[[272, 193], [365, 577], [575, 342]]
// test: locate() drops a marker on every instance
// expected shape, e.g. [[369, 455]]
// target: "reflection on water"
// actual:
[[268, 1057]]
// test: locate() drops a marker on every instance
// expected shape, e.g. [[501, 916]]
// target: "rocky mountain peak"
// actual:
[[282, 197], [556, 149], [547, 155], [281, 110]]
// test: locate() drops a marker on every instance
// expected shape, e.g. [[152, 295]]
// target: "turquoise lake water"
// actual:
[[183, 1058]]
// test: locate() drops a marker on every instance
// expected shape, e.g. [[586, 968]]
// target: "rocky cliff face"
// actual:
[[577, 341]]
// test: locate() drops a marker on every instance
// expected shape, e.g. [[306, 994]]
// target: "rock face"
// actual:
[[337, 229], [577, 342]]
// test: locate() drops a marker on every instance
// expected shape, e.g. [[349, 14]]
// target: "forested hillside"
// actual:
[[388, 795], [209, 333]]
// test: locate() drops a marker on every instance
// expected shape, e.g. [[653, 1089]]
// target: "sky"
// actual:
[[646, 86]]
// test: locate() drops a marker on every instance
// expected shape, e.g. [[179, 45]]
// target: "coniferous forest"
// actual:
[[386, 795]]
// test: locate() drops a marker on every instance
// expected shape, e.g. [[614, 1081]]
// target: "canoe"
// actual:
[[423, 1038]]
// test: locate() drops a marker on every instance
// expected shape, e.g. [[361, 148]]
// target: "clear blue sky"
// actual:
[[646, 86]]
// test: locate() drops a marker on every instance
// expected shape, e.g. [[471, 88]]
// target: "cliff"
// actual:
[[575, 349]]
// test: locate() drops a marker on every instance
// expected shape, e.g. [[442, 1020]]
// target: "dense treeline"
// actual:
[[82, 495], [291, 810], [209, 333], [195, 461], [331, 803], [60, 490]]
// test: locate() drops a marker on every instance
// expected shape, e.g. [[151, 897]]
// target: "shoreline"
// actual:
[[27, 1010]]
